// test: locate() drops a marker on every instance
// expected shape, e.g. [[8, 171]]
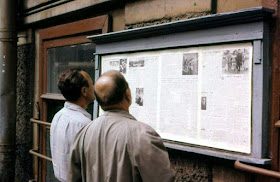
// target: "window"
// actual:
[[61, 48]]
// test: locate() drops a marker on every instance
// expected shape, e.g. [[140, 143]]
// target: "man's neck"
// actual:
[[80, 103], [116, 106]]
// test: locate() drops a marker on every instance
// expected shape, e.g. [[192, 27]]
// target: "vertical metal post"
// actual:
[[8, 61], [97, 73]]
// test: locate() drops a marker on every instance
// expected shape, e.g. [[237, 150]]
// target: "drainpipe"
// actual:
[[8, 61]]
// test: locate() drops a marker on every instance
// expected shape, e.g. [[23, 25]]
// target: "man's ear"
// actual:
[[128, 95], [84, 91]]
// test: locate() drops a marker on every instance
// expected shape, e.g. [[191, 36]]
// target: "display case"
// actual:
[[203, 83]]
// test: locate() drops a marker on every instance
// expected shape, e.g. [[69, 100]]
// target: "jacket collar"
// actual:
[[75, 107]]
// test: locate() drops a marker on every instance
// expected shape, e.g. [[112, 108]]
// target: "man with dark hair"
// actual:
[[77, 88], [116, 147]]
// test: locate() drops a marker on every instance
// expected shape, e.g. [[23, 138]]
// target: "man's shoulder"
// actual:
[[75, 117], [57, 115], [126, 122], [147, 129], [140, 127]]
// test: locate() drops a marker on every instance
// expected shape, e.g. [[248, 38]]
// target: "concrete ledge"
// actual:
[[218, 153], [59, 9]]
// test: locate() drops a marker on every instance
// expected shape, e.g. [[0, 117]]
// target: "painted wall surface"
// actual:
[[134, 14]]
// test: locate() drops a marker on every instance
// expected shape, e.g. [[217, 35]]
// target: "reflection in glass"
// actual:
[[63, 58]]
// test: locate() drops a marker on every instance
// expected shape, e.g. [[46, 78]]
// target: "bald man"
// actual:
[[77, 88], [116, 147]]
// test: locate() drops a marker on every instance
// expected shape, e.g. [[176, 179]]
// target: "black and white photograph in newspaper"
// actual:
[[203, 103], [235, 61], [137, 63], [123, 63], [139, 96], [190, 64]]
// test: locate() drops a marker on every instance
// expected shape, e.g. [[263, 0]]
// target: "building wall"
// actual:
[[234, 5], [132, 14], [25, 90]]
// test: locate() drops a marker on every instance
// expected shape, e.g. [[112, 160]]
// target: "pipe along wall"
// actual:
[[8, 61]]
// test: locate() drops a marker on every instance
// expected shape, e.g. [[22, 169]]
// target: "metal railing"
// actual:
[[257, 170], [34, 151], [37, 154]]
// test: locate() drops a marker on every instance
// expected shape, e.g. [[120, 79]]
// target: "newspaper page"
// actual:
[[141, 72], [178, 95], [224, 113], [199, 95]]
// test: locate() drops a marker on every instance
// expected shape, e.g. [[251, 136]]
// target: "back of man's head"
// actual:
[[110, 88], [70, 84]]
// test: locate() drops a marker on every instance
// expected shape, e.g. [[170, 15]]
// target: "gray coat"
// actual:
[[116, 147]]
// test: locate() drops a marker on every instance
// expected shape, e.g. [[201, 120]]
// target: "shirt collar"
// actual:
[[76, 107], [118, 112]]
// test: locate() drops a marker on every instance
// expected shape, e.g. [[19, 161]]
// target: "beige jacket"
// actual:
[[116, 147]]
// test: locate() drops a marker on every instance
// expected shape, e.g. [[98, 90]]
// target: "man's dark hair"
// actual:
[[70, 84], [116, 93]]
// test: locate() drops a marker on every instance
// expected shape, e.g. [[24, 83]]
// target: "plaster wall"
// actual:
[[118, 21], [234, 5], [142, 11]]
